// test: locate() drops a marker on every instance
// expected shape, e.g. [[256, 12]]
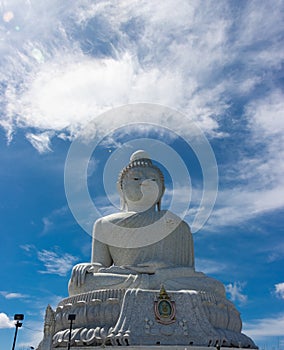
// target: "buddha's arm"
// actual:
[[100, 254], [100, 251], [100, 259]]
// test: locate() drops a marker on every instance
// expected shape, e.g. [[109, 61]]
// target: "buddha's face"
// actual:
[[142, 186]]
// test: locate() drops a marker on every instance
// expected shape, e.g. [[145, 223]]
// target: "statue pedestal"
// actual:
[[147, 319], [186, 318], [155, 347]]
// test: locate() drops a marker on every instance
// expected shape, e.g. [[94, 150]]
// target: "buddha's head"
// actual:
[[141, 183]]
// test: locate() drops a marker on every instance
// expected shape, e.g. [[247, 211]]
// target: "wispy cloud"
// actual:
[[56, 262], [274, 251], [266, 115], [90, 57], [12, 295], [258, 184], [235, 291], [41, 142], [5, 322], [244, 203], [28, 248]]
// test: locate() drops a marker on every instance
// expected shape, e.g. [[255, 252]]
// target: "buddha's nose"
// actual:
[[146, 182], [149, 185]]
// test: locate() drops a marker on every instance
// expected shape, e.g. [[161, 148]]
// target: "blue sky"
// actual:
[[65, 63]]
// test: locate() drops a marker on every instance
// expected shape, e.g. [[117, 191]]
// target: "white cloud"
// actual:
[[244, 203], [47, 225], [5, 322], [56, 262], [137, 53], [257, 184], [266, 120], [28, 248], [67, 95], [235, 292], [266, 115], [41, 142], [12, 295], [279, 290], [233, 205], [256, 181], [248, 84], [262, 175], [255, 21], [267, 327]]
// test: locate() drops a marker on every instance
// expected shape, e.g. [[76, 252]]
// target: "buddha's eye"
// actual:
[[136, 178], [153, 179]]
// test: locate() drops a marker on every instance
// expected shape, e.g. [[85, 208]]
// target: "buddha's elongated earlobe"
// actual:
[[123, 203], [159, 205]]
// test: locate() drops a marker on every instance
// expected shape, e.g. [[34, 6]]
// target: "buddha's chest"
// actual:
[[163, 250]]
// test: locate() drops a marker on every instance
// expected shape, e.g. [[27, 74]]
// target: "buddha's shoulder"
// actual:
[[113, 218], [172, 218], [165, 216]]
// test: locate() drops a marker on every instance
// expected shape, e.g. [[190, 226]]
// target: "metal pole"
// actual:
[[16, 332], [69, 340]]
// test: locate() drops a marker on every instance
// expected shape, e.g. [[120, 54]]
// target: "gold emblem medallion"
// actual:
[[164, 307]]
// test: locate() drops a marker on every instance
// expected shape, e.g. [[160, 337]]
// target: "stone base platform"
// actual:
[[146, 319], [156, 347]]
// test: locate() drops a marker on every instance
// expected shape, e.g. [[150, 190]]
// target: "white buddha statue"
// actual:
[[165, 255], [116, 296]]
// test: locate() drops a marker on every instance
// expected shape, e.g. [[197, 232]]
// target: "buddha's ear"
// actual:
[[159, 205], [121, 195]]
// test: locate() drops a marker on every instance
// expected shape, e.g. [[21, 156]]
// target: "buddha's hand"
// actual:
[[115, 269], [79, 272], [148, 267]]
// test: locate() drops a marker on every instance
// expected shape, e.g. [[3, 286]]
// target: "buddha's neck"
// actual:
[[140, 208]]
